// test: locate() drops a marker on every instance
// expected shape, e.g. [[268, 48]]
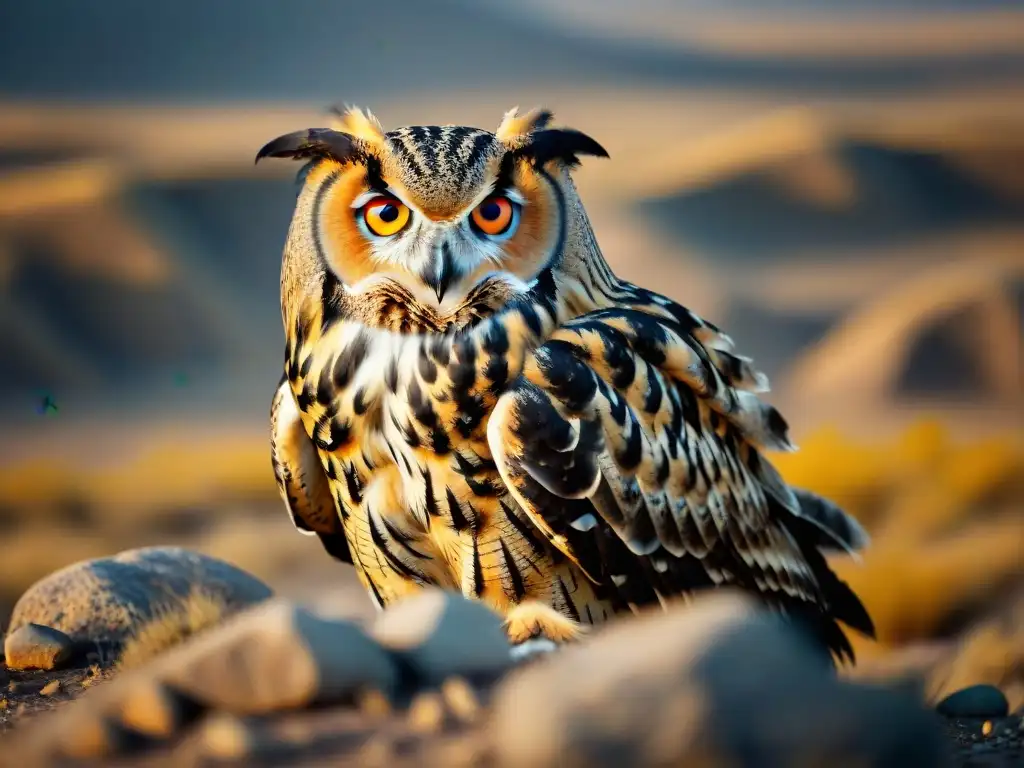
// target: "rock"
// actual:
[[34, 646], [275, 656], [980, 701], [439, 634], [718, 682], [278, 656], [52, 688], [106, 600]]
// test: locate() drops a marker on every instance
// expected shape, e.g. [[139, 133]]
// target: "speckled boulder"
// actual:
[[107, 599]]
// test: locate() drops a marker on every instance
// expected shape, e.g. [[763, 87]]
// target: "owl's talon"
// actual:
[[532, 621]]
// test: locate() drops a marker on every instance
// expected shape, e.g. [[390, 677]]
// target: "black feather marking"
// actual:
[[330, 297], [439, 350], [654, 394], [459, 521], [391, 375], [428, 370], [354, 483], [304, 400], [428, 494], [478, 572], [570, 607], [628, 458], [531, 319], [359, 404], [571, 381], [440, 443], [350, 359], [514, 574], [526, 531], [336, 545], [373, 588], [343, 509], [382, 545], [422, 409], [412, 438], [404, 539]]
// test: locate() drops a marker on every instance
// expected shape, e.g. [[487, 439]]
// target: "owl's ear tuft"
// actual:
[[563, 145], [515, 127], [314, 143], [359, 123]]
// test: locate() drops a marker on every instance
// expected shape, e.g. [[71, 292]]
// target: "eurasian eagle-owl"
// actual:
[[472, 399]]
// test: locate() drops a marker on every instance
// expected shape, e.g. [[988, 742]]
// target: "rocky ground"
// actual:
[[165, 657]]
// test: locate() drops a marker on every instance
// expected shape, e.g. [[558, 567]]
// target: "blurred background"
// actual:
[[840, 185]]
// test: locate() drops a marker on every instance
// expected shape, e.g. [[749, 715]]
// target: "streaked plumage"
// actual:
[[498, 413]]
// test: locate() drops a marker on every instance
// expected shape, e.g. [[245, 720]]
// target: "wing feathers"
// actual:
[[652, 418], [300, 476]]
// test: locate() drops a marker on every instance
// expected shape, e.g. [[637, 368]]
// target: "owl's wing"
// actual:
[[633, 441], [301, 478]]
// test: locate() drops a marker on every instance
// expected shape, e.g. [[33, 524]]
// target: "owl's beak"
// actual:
[[441, 272]]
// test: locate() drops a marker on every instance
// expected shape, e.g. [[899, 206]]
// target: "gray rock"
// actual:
[[718, 682], [34, 646], [108, 599], [273, 657], [980, 701], [438, 634]]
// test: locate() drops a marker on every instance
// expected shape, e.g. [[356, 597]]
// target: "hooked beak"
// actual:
[[441, 272]]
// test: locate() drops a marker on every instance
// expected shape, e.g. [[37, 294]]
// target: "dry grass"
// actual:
[[172, 626], [947, 522]]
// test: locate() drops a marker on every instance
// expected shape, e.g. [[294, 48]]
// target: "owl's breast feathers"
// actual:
[[626, 440]]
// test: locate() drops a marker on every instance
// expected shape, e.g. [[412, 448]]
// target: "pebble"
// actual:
[[438, 634], [52, 688], [981, 701], [34, 646]]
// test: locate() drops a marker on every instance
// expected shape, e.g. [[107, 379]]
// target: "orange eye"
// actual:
[[385, 216], [493, 216]]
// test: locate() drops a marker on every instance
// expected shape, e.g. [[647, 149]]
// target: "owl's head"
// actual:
[[429, 227]]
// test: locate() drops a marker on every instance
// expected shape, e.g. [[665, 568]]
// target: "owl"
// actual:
[[473, 400]]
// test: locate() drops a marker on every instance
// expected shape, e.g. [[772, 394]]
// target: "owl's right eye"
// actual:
[[385, 216]]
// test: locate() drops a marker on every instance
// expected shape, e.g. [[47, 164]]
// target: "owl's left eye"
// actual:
[[495, 217], [385, 216]]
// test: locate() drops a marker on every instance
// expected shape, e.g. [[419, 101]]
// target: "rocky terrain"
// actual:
[[162, 656]]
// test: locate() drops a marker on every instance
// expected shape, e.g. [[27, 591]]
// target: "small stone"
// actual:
[[225, 737], [152, 709], [34, 646], [373, 703], [439, 634], [426, 713], [276, 657], [986, 728], [980, 701], [50, 689], [88, 738], [461, 699]]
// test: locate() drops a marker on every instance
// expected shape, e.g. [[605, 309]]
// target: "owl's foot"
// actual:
[[534, 620]]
